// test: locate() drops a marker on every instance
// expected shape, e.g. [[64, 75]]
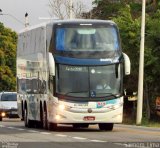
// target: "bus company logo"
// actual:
[[101, 104]]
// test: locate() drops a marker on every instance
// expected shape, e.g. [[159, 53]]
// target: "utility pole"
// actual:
[[141, 68], [26, 24], [70, 9], [26, 20], [10, 15]]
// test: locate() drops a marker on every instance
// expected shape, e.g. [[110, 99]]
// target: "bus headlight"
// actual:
[[57, 117], [61, 107], [3, 114]]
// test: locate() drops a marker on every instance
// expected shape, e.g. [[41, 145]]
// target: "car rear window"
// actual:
[[9, 97]]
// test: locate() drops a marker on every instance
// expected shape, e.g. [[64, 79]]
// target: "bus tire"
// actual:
[[25, 118], [0, 118], [45, 121], [22, 111], [28, 123], [106, 126]]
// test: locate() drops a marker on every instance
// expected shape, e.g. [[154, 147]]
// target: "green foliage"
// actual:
[[152, 52], [130, 36], [127, 14], [8, 41], [106, 8], [96, 2]]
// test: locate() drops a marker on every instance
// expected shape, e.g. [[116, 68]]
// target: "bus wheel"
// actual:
[[45, 122], [25, 118], [22, 112], [27, 122], [106, 126], [52, 126], [0, 118]]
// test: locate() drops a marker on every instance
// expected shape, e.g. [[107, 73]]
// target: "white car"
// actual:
[[8, 105]]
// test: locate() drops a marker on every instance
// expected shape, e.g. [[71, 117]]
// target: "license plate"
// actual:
[[89, 118], [81, 105]]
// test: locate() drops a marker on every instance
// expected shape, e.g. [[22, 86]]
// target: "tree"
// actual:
[[130, 36], [152, 62], [127, 14], [61, 8], [106, 8], [8, 41]]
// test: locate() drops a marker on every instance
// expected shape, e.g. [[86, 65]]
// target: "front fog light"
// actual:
[[57, 117], [61, 107]]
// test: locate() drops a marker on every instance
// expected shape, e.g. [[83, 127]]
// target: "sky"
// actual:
[[16, 10]]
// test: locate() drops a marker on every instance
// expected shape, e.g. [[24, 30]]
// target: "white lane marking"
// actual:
[[98, 141], [33, 131], [60, 135], [20, 129], [10, 127], [80, 138], [45, 133]]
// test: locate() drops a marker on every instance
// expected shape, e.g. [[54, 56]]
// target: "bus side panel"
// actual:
[[34, 80], [21, 66]]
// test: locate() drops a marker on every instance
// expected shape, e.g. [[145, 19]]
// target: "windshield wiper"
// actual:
[[75, 92], [110, 94]]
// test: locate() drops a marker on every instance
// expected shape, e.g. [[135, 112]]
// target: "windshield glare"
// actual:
[[93, 81], [87, 38]]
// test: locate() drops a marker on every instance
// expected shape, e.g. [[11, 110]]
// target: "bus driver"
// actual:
[[104, 84]]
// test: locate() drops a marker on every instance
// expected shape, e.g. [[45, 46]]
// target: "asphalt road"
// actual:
[[13, 134]]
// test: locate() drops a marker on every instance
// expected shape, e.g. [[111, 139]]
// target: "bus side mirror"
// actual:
[[127, 64], [51, 64]]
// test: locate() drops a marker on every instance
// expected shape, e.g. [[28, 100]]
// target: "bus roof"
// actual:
[[67, 21], [70, 21], [32, 27]]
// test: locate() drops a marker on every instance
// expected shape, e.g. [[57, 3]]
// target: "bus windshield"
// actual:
[[89, 81], [9, 97], [86, 38]]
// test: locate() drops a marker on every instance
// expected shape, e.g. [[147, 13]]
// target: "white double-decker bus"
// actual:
[[71, 72]]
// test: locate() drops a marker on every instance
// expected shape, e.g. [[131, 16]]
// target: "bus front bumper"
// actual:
[[95, 116]]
